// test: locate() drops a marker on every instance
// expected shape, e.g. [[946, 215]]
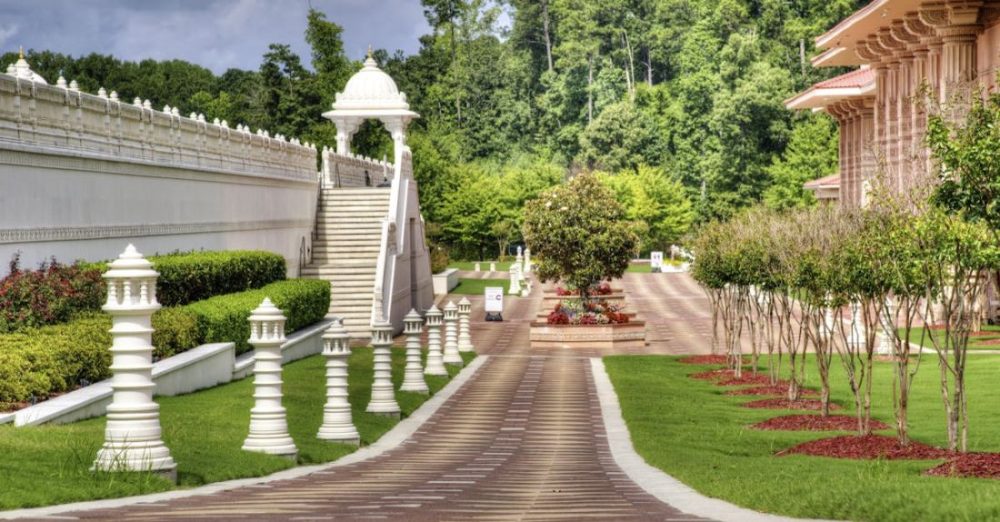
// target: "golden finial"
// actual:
[[370, 51], [21, 51]]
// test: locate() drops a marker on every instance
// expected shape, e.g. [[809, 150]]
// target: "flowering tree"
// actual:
[[579, 233]]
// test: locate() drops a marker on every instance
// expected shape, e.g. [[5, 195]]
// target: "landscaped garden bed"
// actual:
[[204, 430], [688, 429], [814, 423], [69, 347]]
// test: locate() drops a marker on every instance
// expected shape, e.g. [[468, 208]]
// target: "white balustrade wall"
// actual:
[[81, 174], [349, 170]]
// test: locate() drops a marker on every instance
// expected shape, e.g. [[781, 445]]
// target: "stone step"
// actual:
[[367, 245]]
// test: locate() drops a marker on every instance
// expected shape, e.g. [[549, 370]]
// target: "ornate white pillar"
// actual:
[[527, 260], [338, 425], [435, 360], [515, 280], [132, 437], [268, 425], [464, 334], [451, 355], [346, 127], [413, 376], [383, 401]]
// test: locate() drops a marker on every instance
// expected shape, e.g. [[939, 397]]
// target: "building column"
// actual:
[[904, 101], [865, 139]]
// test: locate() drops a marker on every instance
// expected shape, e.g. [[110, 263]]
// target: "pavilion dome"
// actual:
[[21, 69], [371, 89]]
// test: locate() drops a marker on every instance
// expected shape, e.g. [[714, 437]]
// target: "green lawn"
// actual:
[[204, 430], [478, 286], [502, 266], [690, 430], [644, 268], [976, 342]]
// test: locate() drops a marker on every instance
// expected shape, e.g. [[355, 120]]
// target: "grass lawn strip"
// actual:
[[478, 286], [50, 464], [691, 431], [484, 266]]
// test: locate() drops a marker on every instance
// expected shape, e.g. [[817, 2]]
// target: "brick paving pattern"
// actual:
[[523, 440]]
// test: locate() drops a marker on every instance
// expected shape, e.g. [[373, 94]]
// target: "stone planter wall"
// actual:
[[631, 335]]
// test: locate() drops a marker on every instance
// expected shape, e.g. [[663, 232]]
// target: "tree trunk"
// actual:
[[545, 30], [649, 68]]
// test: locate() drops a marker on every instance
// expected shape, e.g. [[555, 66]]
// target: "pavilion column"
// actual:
[[840, 112], [904, 111], [918, 115], [890, 115], [866, 139], [880, 119]]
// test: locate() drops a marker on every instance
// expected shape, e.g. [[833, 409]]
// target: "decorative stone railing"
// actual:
[[61, 118], [349, 170]]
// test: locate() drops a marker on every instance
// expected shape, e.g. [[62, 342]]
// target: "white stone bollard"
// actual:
[[338, 425], [520, 256], [132, 437], [856, 337], [527, 260], [464, 334], [383, 401], [435, 360], [413, 376], [451, 355], [493, 266], [515, 280], [268, 424], [887, 321], [477, 267]]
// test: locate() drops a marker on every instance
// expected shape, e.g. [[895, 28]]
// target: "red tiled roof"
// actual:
[[833, 180], [858, 78]]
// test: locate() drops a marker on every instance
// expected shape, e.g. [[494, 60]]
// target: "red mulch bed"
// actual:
[[814, 423], [867, 447], [746, 379], [986, 342], [712, 375], [713, 359], [776, 389], [979, 465], [785, 404]]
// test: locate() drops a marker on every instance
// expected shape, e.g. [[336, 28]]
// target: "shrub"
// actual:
[[186, 277], [439, 258], [224, 318], [49, 295], [41, 361]]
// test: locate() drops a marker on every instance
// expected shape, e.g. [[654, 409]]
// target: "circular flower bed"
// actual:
[[586, 314], [776, 389], [979, 465], [785, 404], [601, 289]]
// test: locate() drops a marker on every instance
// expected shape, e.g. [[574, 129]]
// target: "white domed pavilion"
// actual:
[[370, 94]]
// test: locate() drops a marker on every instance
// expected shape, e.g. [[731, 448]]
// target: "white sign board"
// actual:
[[655, 259], [494, 299]]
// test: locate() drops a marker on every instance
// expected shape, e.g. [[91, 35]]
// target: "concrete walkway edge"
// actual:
[[390, 440], [655, 482]]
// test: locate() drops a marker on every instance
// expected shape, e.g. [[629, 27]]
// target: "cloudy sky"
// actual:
[[218, 34]]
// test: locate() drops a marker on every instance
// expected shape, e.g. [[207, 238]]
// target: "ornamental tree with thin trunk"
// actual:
[[580, 234]]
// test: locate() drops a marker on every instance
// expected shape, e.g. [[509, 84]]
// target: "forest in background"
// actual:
[[678, 103]]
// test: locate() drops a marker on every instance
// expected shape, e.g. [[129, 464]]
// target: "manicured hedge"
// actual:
[[186, 277], [224, 318], [52, 359]]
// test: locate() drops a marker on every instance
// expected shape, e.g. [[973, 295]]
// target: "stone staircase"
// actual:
[[346, 249]]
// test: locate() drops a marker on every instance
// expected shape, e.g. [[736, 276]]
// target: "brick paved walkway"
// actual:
[[523, 440]]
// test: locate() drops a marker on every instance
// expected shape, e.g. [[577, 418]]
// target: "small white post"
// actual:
[[413, 376], [493, 266], [888, 321], [451, 355], [527, 260], [515, 280], [338, 426], [857, 335], [132, 437], [520, 256], [268, 424], [383, 400], [464, 335], [476, 267], [435, 361]]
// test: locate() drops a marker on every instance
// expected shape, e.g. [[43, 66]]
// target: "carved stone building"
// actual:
[[911, 55]]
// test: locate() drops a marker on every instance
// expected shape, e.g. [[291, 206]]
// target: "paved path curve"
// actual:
[[523, 440]]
